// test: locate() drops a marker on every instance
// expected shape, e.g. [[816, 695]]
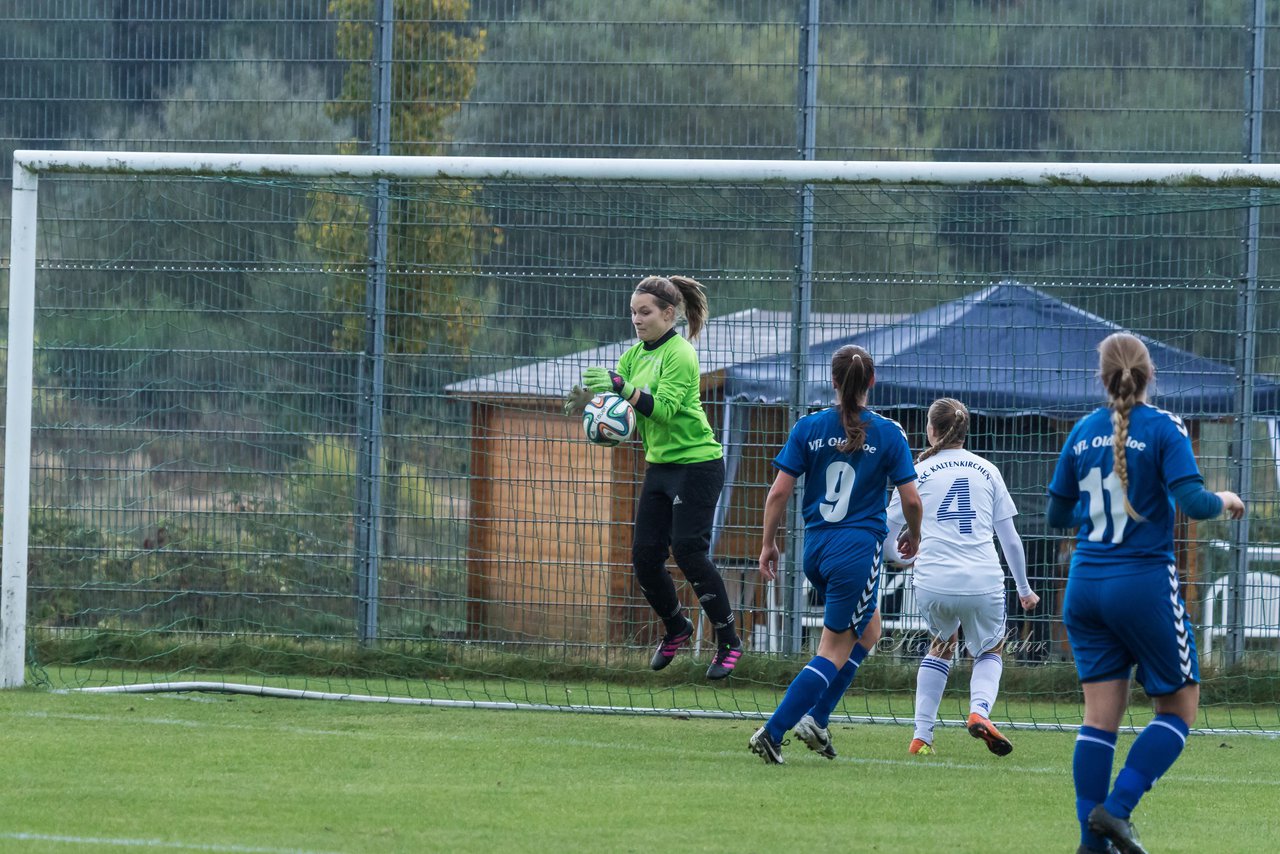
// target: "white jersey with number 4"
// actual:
[[964, 496]]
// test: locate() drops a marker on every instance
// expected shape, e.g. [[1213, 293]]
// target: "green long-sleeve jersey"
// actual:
[[677, 431]]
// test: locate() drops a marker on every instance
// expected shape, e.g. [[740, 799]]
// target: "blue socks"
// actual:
[[830, 698], [810, 684], [1091, 768], [1152, 754]]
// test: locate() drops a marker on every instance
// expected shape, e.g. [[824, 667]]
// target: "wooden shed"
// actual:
[[549, 545]]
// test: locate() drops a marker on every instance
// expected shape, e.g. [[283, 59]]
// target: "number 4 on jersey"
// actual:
[[956, 505]]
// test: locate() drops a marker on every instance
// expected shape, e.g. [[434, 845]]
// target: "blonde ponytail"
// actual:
[[950, 422], [1125, 367]]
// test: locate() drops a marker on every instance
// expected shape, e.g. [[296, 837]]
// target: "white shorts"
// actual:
[[982, 615]]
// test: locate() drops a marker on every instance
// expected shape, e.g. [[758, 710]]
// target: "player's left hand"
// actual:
[[1030, 601], [1231, 504]]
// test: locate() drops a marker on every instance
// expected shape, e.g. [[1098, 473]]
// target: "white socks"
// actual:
[[931, 681], [985, 683]]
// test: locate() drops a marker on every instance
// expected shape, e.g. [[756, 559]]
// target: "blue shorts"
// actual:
[[843, 565], [1138, 618]]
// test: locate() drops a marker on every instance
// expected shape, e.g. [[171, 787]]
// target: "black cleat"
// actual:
[[1085, 849], [1122, 833], [763, 745], [725, 659], [815, 737], [669, 646]]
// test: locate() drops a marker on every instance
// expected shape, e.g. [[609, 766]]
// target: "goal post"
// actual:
[[192, 326], [17, 469]]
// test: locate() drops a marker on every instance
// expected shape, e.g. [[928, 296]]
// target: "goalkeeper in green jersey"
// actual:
[[659, 376]]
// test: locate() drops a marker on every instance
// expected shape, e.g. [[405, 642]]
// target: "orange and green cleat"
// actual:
[[920, 747]]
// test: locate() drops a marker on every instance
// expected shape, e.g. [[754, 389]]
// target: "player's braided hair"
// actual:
[[1125, 368], [950, 421], [852, 370], [685, 295]]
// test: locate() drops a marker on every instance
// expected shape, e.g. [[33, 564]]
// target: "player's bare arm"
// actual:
[[913, 512], [775, 506]]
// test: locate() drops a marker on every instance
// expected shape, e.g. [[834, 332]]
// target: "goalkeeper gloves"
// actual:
[[601, 380], [577, 399]]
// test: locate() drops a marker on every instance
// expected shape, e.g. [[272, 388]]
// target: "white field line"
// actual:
[[638, 747], [99, 841]]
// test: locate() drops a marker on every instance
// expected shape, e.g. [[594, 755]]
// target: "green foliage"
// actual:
[[435, 49], [48, 45], [335, 462], [223, 226], [189, 267], [74, 67], [261, 577], [281, 563], [667, 79]]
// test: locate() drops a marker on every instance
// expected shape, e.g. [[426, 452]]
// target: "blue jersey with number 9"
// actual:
[[846, 490], [1159, 458]]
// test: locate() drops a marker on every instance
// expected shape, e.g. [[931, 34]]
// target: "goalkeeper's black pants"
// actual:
[[674, 515]]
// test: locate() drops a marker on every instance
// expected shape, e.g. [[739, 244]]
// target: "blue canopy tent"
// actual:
[[1008, 350]]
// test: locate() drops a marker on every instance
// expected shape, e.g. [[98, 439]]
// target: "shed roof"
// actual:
[[727, 340]]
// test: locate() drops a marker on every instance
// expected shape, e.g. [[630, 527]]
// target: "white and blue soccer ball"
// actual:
[[608, 420]]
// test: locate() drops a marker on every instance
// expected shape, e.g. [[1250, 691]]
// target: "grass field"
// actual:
[[207, 772]]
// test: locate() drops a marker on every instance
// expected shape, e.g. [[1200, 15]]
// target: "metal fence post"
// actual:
[[1246, 344], [802, 300], [373, 363]]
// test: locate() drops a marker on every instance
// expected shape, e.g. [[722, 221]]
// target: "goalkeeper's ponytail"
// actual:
[[682, 293]]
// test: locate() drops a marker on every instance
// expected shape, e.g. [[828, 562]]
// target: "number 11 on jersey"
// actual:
[[1106, 497]]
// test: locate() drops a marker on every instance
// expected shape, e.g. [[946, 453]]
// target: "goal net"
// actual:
[[293, 424]]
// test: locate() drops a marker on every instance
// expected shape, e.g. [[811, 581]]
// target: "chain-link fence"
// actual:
[[204, 361]]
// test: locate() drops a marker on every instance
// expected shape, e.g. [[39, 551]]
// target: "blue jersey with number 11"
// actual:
[[846, 490], [1159, 458]]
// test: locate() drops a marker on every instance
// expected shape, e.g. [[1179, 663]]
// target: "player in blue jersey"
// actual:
[[849, 457], [1122, 606]]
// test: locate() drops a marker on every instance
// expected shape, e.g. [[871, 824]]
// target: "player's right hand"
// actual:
[[1231, 504], [576, 400], [769, 561], [908, 544], [1029, 601]]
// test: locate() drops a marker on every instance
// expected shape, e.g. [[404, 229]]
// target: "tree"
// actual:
[[188, 256], [435, 56], [432, 231], [70, 71]]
